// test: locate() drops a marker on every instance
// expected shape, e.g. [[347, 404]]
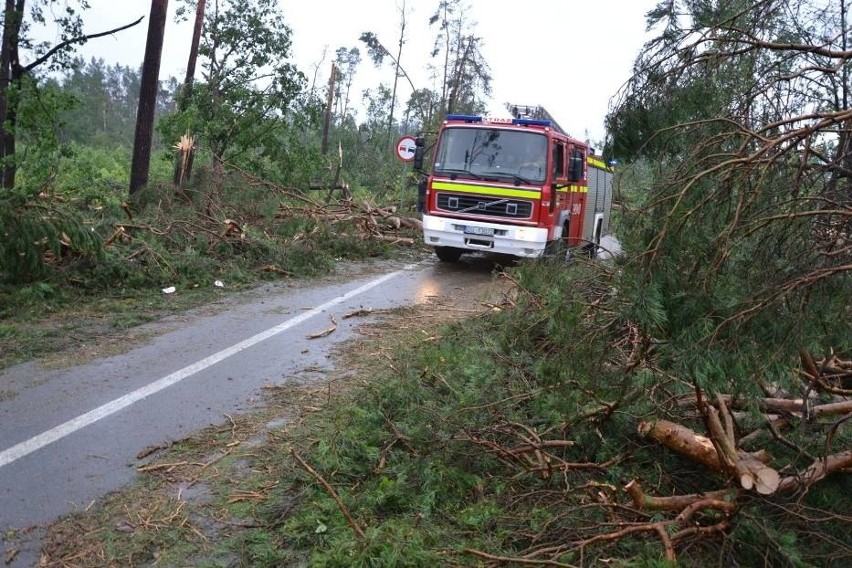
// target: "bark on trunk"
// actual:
[[12, 17], [682, 440], [332, 80], [193, 56], [148, 96], [817, 470]]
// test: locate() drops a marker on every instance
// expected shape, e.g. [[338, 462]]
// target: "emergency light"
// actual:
[[531, 122], [464, 117], [516, 121]]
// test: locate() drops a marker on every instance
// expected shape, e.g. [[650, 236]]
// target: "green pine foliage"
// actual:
[[420, 455], [35, 235], [739, 238]]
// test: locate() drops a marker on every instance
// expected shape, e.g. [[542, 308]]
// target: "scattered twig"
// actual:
[[233, 425], [358, 313], [151, 449], [355, 527], [326, 332], [515, 560], [10, 555], [160, 466]]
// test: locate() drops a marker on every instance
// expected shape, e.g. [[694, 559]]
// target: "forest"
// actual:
[[686, 404], [70, 125]]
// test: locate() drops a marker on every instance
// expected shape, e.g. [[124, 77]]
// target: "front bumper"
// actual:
[[527, 242]]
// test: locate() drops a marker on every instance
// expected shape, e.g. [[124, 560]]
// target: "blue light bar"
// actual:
[[531, 122], [464, 117]]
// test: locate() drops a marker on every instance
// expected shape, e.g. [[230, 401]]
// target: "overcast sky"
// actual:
[[570, 56]]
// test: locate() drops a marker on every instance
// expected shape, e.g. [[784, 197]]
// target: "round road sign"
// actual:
[[405, 148]]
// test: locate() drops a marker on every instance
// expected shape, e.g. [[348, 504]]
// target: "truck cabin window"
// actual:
[[578, 159], [558, 160], [491, 153]]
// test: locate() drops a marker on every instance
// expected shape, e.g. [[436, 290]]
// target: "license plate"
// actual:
[[481, 231]]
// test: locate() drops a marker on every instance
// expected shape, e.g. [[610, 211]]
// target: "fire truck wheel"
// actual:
[[555, 248], [448, 254]]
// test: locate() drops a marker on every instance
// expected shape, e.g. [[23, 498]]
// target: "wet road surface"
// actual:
[[69, 436]]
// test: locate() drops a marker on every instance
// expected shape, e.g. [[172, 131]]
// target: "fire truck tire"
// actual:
[[448, 254], [556, 248]]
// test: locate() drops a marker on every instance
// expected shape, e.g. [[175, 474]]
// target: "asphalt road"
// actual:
[[69, 436]]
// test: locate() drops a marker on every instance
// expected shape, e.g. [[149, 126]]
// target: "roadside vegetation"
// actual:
[[253, 176], [104, 268], [503, 439], [687, 403]]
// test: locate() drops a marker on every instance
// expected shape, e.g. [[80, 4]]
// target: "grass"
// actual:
[[86, 326]]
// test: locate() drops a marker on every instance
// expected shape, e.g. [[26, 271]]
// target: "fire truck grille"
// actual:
[[491, 206]]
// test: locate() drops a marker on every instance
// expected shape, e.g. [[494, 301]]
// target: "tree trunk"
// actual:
[[682, 440], [186, 156], [148, 96], [193, 56], [458, 70], [12, 17], [396, 73], [329, 100], [9, 18]]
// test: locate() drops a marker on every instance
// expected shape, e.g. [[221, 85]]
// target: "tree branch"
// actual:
[[72, 41], [359, 532]]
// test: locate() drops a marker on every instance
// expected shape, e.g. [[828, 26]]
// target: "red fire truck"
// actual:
[[516, 186]]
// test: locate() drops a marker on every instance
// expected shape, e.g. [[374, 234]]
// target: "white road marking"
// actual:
[[54, 434]]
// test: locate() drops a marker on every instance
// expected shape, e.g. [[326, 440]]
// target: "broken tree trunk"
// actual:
[[751, 471], [750, 467], [682, 440], [817, 470], [183, 163]]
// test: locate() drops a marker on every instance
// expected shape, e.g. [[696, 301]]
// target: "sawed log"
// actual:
[[751, 472], [751, 469], [754, 474], [682, 440]]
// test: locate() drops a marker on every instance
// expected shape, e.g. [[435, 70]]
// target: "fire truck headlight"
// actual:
[[432, 223], [526, 234]]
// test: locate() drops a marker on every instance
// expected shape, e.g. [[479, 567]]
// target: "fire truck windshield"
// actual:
[[483, 153]]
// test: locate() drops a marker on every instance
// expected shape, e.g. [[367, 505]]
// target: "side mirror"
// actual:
[[419, 152]]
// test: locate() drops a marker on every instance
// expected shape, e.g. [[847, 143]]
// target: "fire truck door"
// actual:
[[577, 179], [559, 180]]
